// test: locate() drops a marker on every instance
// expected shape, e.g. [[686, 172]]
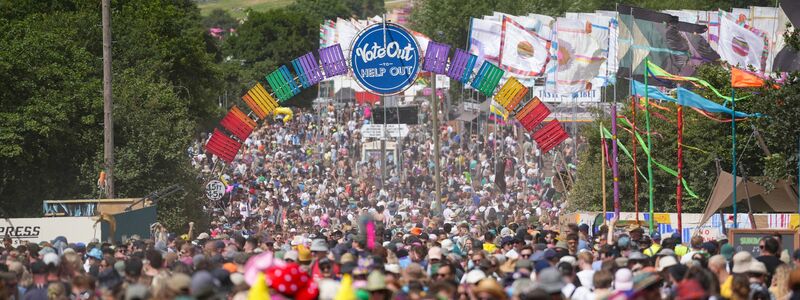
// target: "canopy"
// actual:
[[782, 198]]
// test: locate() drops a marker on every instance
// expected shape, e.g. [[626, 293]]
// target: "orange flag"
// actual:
[[741, 78]]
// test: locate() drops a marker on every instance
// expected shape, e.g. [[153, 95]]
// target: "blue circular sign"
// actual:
[[385, 59]]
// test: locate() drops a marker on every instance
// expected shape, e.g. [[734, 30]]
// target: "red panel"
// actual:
[[223, 146]]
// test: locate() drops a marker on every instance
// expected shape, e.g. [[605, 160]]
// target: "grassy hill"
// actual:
[[237, 7]]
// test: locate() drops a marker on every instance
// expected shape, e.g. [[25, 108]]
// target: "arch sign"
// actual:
[[385, 59]]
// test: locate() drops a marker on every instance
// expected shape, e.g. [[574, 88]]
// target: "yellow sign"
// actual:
[[662, 218]]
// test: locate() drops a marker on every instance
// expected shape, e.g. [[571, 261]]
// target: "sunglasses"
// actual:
[[440, 275], [525, 255]]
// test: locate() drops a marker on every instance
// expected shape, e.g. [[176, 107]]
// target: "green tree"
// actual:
[[266, 41], [50, 109]]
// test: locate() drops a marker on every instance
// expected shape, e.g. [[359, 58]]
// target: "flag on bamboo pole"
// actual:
[[484, 40], [497, 113], [677, 46], [740, 46], [523, 52], [742, 79], [579, 57]]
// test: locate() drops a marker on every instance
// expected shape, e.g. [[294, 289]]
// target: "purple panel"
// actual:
[[460, 59], [311, 68], [333, 61], [436, 57]]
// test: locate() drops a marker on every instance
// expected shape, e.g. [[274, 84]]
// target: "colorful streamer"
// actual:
[[670, 171], [657, 71]]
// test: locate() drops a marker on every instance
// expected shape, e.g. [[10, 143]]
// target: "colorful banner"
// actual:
[[522, 52]]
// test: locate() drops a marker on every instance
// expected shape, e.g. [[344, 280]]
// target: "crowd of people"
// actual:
[[306, 216]]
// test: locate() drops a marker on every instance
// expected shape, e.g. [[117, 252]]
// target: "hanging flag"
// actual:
[[605, 31], [522, 52], [740, 46], [677, 46], [578, 56], [484, 40], [497, 113], [742, 79], [688, 98], [223, 146], [346, 32]]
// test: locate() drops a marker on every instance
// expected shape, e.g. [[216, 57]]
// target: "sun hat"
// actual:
[[666, 262], [623, 280], [741, 262], [474, 276], [319, 245], [550, 281]]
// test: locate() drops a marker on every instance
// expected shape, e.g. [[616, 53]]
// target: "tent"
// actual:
[[782, 198]]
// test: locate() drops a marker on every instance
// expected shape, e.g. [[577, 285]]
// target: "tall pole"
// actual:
[[679, 193], [649, 143], [383, 144], [733, 152], [633, 149], [798, 173], [603, 168], [436, 146], [614, 157], [108, 105]]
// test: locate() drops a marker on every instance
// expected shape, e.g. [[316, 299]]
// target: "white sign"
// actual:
[[392, 130], [75, 229], [587, 96], [472, 106], [215, 190]]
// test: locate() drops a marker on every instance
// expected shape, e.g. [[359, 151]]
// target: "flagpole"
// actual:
[[614, 157], [633, 149], [733, 146], [733, 152], [649, 142], [603, 168], [679, 193]]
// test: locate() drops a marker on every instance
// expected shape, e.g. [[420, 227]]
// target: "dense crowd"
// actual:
[[306, 217]]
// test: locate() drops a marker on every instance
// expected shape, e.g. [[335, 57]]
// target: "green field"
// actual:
[[237, 7]]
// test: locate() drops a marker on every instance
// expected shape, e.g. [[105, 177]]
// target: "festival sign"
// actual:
[[385, 59]]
